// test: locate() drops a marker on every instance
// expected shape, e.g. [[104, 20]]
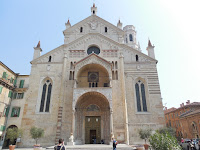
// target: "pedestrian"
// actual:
[[60, 145], [114, 144]]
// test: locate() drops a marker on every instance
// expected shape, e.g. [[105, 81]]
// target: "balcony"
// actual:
[[7, 83]]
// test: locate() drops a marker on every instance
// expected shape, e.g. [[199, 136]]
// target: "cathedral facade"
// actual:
[[95, 86]]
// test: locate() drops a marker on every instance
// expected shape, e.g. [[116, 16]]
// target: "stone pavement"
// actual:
[[86, 147]]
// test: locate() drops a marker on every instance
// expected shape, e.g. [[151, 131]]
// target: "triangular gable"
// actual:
[[92, 55], [91, 18]]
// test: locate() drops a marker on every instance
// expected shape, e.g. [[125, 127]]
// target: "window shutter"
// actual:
[[11, 80], [22, 95], [7, 111], [15, 81], [12, 114], [21, 84], [1, 89], [15, 95], [9, 94], [4, 75], [18, 112]]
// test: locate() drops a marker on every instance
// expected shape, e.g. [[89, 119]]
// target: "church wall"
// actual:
[[31, 114], [154, 117]]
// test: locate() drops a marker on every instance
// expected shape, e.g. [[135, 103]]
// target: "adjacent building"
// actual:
[[97, 85], [185, 119], [7, 86]]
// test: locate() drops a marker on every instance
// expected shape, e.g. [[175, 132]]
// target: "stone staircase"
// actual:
[[59, 124]]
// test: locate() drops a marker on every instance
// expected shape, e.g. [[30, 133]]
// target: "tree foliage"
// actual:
[[36, 133], [169, 130], [13, 134], [164, 141], [145, 134]]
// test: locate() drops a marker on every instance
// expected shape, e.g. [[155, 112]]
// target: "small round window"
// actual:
[[93, 49]]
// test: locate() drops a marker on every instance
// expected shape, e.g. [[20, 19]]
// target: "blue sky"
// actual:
[[173, 26]]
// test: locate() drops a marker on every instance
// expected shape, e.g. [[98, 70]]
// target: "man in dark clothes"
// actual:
[[60, 146], [114, 144]]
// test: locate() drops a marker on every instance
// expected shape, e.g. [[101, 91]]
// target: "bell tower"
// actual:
[[93, 9]]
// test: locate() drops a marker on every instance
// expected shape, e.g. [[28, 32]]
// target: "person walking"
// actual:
[[60, 145], [114, 144]]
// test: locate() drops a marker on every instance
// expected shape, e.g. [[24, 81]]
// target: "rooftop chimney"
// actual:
[[188, 102]]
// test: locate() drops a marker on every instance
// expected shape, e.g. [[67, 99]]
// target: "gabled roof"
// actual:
[[185, 106], [91, 55], [191, 112], [90, 18], [88, 34]]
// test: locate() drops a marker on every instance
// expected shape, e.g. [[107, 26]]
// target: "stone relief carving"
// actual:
[[93, 108], [93, 24]]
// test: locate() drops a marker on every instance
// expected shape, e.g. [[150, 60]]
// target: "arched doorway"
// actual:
[[92, 119], [7, 142]]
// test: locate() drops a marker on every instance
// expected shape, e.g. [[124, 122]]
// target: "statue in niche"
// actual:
[[93, 108]]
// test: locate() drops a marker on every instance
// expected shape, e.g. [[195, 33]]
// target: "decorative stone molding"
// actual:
[[104, 92], [93, 60]]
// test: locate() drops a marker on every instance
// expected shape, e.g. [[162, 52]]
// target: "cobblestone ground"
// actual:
[[85, 147]]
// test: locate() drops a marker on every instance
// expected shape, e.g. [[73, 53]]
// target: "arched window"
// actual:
[[130, 37], [106, 29], [140, 96], [116, 67], [136, 57], [116, 73], [49, 58], [81, 29], [113, 75], [93, 12], [46, 96]]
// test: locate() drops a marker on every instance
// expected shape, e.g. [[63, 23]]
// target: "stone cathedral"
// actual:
[[97, 85]]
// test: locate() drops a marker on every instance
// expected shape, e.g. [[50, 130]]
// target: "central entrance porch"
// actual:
[[92, 130], [92, 119]]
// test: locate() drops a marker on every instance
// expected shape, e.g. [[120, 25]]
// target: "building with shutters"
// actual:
[[95, 86], [12, 89]]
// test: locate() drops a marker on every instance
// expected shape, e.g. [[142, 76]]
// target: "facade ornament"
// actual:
[[93, 25]]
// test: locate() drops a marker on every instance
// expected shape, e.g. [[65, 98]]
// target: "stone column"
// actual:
[[71, 139], [111, 126], [124, 97]]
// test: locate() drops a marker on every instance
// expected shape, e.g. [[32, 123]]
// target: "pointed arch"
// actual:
[[46, 95], [141, 95]]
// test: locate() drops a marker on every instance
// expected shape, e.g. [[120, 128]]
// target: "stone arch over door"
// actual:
[[92, 106], [93, 59]]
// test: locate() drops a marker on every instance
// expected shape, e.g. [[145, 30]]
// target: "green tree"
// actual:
[[164, 141], [36, 133], [169, 130], [13, 134], [145, 134]]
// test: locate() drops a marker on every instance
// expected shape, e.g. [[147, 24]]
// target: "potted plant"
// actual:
[[145, 134], [12, 134], [36, 133]]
